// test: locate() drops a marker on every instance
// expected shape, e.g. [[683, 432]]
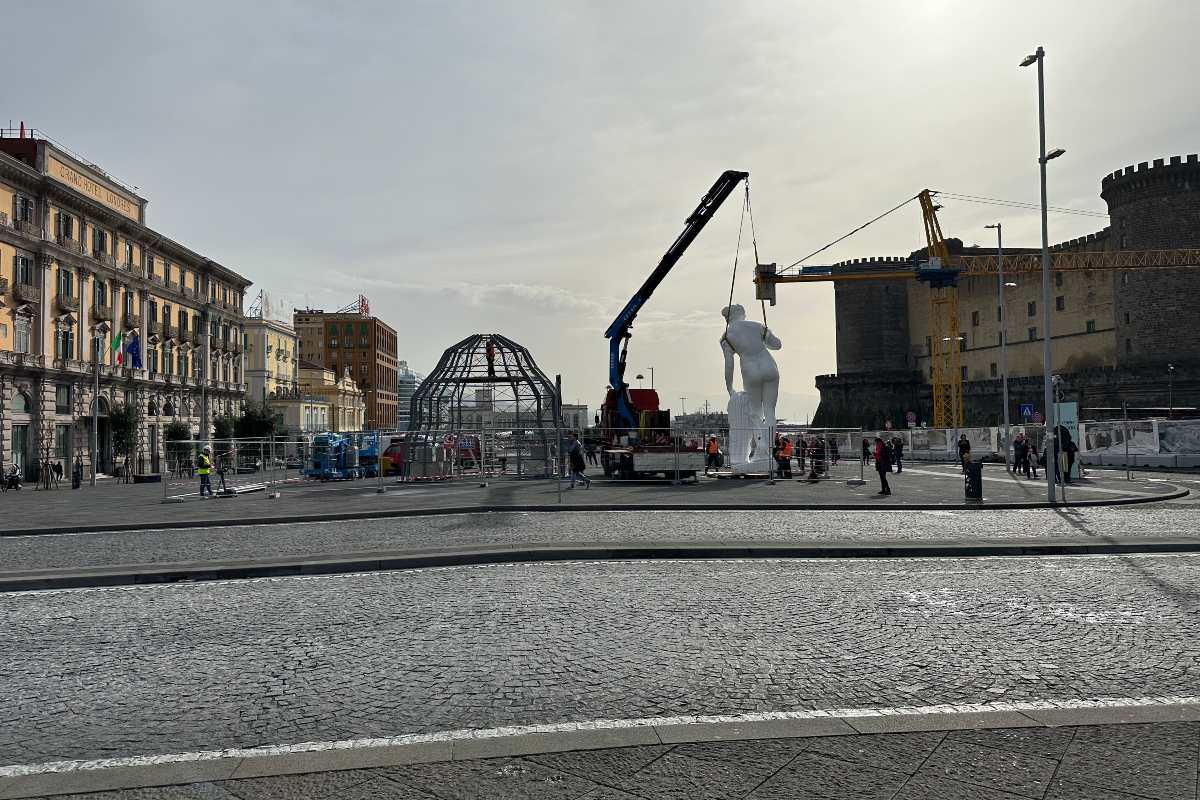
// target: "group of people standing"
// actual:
[[1026, 458], [817, 452]]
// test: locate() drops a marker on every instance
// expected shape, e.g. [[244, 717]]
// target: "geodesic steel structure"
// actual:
[[489, 397]]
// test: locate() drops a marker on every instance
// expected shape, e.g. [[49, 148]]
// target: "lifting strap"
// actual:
[[746, 209]]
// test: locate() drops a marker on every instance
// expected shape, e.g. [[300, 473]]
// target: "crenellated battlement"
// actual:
[[891, 260], [1150, 176], [1083, 242]]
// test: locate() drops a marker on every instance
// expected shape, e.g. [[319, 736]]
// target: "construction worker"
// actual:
[[203, 468], [784, 458], [712, 458]]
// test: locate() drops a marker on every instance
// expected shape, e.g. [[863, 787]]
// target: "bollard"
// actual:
[[973, 480]]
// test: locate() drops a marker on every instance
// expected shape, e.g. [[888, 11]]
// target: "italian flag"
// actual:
[[116, 347]]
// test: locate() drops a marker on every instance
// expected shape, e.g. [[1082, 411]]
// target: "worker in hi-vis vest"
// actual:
[[204, 468]]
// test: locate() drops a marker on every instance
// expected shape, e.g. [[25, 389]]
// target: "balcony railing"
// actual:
[[69, 243], [106, 259], [3, 285], [168, 330], [67, 303], [26, 293], [197, 339], [29, 228], [101, 313], [155, 277], [133, 321]]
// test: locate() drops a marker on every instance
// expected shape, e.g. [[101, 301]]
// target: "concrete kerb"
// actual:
[[69, 777], [1176, 494], [383, 561]]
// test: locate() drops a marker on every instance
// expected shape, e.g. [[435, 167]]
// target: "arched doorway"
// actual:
[[20, 453], [103, 436]]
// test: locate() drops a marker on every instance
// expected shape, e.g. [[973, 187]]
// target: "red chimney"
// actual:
[[22, 129]]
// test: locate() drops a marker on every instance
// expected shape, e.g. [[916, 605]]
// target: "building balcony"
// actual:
[[28, 228], [101, 313], [26, 293], [104, 258], [136, 269], [69, 243], [235, 346], [3, 285], [133, 321], [168, 330], [197, 339], [68, 304]]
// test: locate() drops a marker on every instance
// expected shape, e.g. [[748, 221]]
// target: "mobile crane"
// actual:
[[622, 412]]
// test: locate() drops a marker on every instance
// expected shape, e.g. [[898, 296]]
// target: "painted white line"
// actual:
[[18, 770], [1071, 487]]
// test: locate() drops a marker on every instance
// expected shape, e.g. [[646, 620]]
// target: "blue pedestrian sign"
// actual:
[[1026, 410]]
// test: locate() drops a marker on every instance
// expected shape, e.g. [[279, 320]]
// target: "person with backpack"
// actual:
[[882, 465]]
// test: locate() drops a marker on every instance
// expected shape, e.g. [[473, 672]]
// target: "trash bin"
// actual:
[[973, 479]]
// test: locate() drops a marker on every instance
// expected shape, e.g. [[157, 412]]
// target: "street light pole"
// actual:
[[651, 377], [1038, 57], [95, 399], [1170, 391], [1003, 329]]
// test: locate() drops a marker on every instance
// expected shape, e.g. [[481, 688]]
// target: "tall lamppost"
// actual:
[[1038, 57], [640, 378], [1171, 391], [651, 376], [1003, 327]]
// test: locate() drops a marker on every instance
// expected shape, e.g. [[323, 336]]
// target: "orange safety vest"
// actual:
[[713, 447], [786, 451]]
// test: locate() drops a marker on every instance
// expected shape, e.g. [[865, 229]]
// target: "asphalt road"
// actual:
[[499, 529], [106, 673]]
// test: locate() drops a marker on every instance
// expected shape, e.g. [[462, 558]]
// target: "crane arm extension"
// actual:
[[618, 331]]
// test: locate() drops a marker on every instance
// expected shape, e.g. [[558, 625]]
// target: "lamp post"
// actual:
[[1038, 57], [1171, 391], [651, 376], [640, 377], [1003, 328], [683, 406]]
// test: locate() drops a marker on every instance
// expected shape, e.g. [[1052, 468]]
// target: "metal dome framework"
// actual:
[[489, 386]]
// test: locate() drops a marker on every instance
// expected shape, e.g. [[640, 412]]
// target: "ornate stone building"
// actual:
[[79, 271]]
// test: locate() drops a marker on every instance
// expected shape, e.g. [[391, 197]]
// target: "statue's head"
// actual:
[[733, 312]]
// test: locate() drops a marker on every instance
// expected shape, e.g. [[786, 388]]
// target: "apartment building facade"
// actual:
[[83, 279], [363, 347]]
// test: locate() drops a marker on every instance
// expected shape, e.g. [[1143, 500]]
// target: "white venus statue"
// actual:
[[752, 410]]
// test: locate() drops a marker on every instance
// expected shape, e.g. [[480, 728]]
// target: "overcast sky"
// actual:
[[520, 167]]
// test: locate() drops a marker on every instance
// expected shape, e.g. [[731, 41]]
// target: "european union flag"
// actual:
[[134, 349]]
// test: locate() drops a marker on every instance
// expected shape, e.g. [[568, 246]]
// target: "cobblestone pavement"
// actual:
[[1097, 525], [141, 504], [165, 669], [1122, 762]]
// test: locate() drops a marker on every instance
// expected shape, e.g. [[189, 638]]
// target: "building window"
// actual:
[[99, 242], [1032, 308], [182, 363], [1129, 345], [152, 357], [66, 226], [974, 319], [962, 344], [129, 254], [21, 334], [154, 311], [168, 357], [23, 208], [1126, 317], [1091, 326], [64, 343], [66, 283], [128, 304], [62, 442], [1060, 303], [1058, 280], [964, 373], [183, 323], [993, 370], [1124, 278], [23, 268], [62, 399], [1033, 334], [100, 293]]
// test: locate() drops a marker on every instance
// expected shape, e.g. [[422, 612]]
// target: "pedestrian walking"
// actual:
[[834, 455], [882, 465], [964, 451], [1019, 454], [576, 462], [1070, 448], [589, 449], [898, 453], [866, 451], [204, 467], [783, 460]]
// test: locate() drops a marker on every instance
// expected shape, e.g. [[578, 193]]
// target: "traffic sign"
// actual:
[[1027, 410]]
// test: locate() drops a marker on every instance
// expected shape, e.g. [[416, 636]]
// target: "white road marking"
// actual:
[[18, 770]]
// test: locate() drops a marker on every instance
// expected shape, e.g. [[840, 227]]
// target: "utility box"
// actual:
[[973, 480]]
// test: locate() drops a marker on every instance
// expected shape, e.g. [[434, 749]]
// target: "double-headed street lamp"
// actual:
[[1038, 57]]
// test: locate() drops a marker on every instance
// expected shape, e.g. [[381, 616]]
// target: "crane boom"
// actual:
[[618, 332]]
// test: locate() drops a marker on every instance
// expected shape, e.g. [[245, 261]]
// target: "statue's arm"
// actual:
[[771, 340], [727, 350]]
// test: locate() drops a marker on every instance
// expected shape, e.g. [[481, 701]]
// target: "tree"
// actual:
[[125, 422], [258, 421], [177, 436], [223, 427]]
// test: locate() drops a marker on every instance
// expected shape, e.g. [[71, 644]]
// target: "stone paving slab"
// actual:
[[118, 506], [1119, 762]]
